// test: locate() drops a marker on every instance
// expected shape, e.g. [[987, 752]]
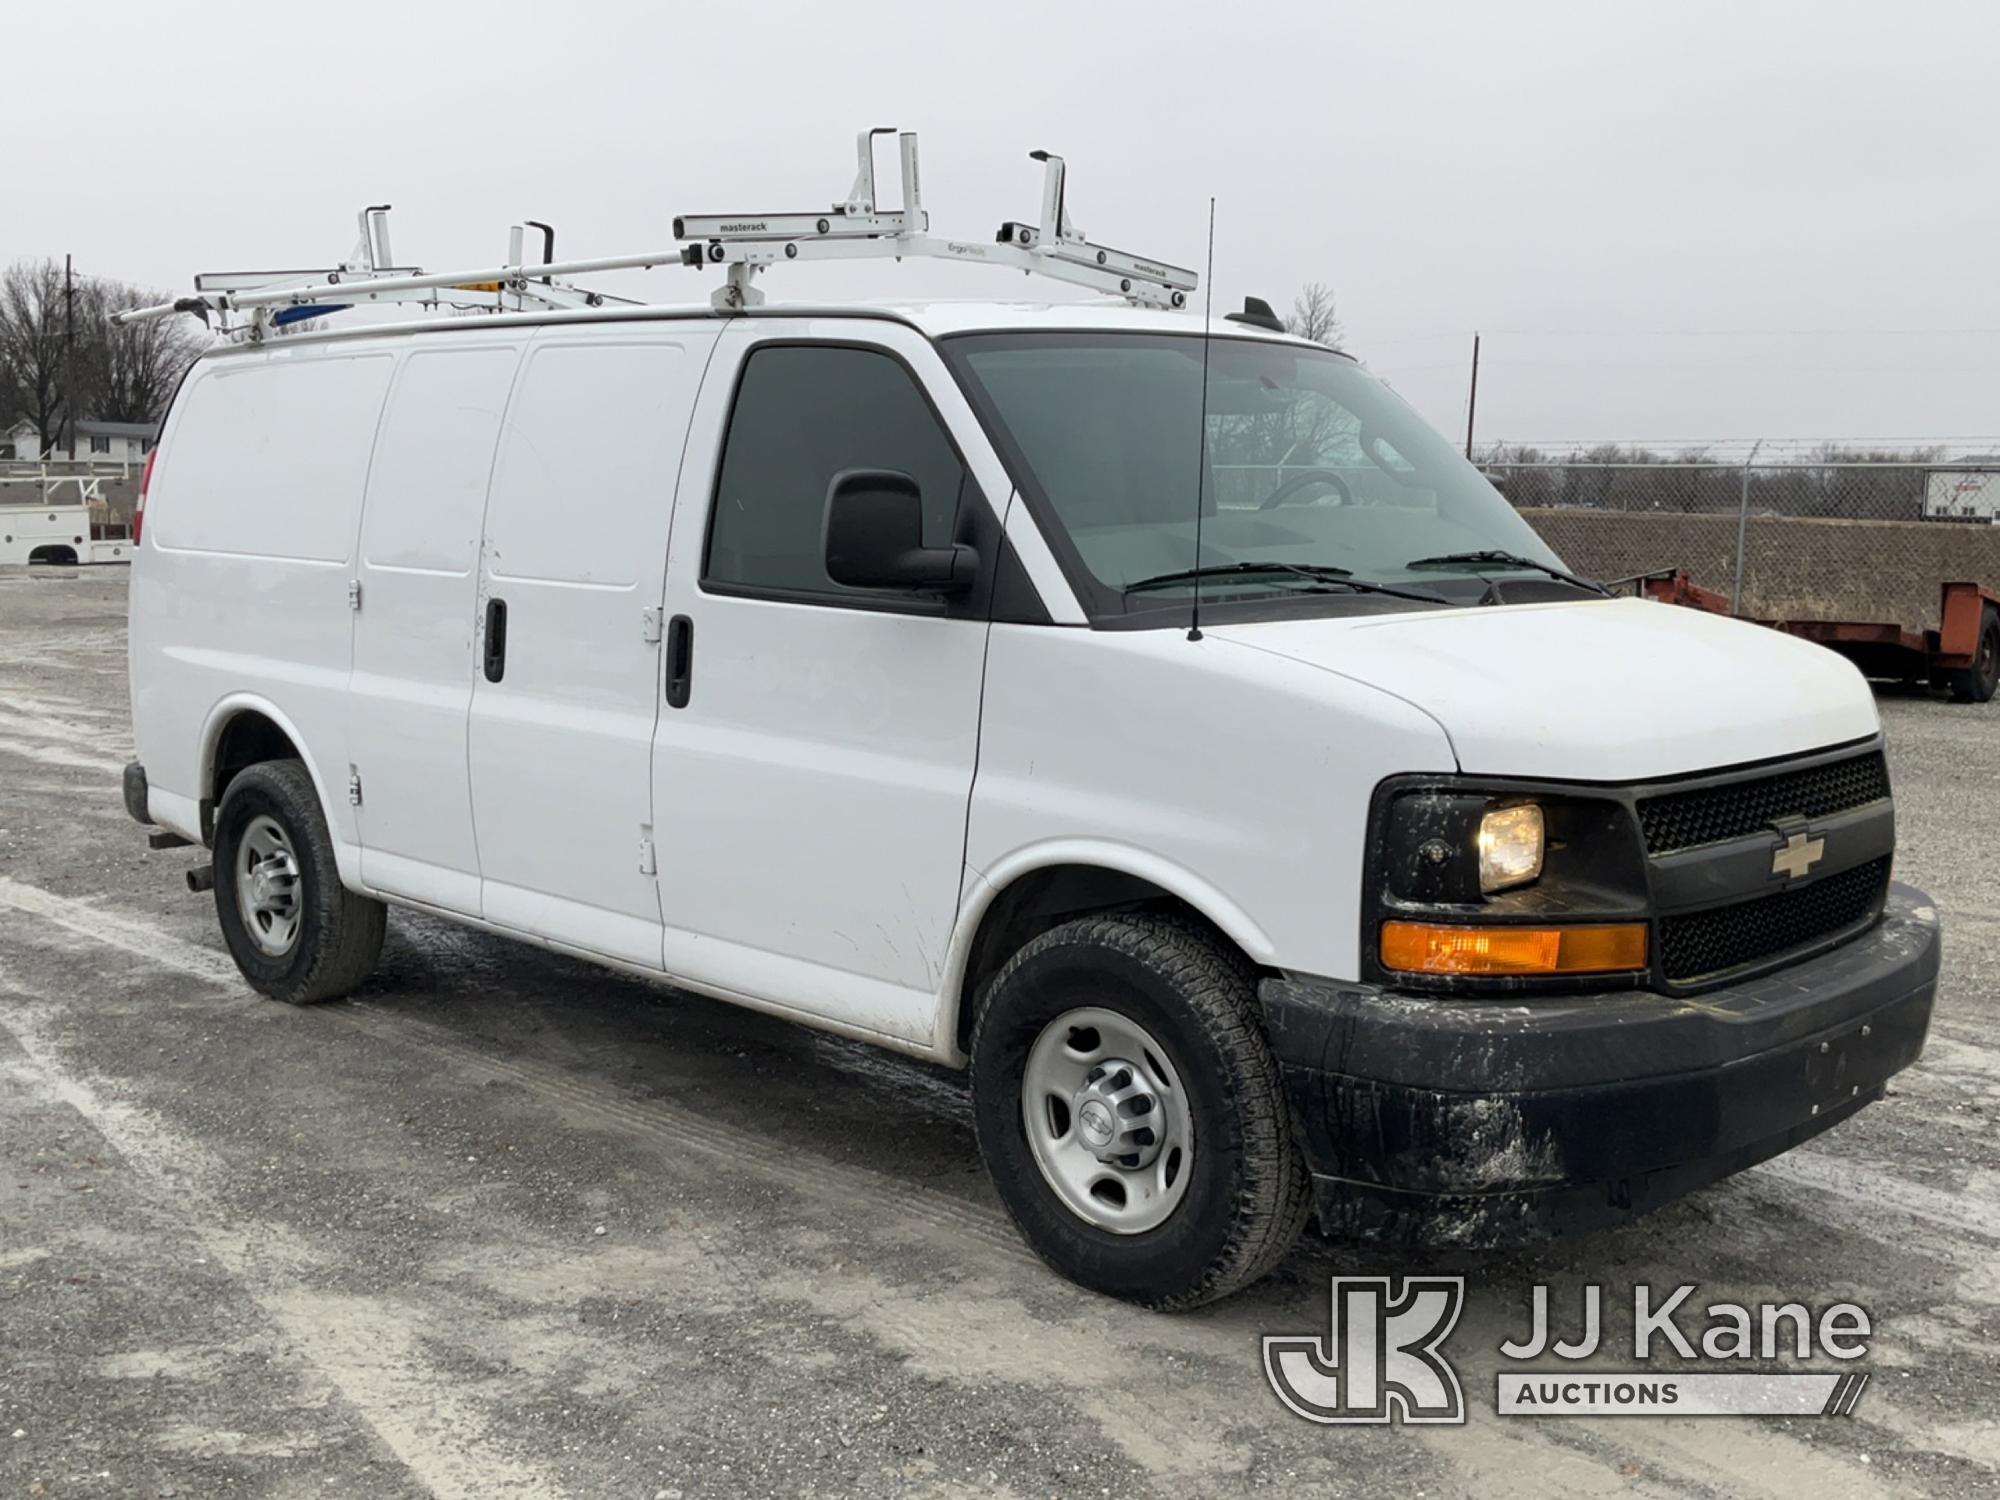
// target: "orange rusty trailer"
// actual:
[[1962, 655]]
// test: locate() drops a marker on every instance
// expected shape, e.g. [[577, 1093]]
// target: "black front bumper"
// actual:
[[1479, 1121]]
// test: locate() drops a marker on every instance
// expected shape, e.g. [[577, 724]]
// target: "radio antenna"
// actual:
[[1201, 475]]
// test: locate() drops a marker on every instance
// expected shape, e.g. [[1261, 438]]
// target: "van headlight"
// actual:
[[1510, 844], [1496, 884]]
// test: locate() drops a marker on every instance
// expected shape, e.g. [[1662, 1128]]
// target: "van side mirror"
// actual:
[[874, 536]]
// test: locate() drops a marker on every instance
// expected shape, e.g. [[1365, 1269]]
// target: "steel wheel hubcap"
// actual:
[[267, 886], [1107, 1120]]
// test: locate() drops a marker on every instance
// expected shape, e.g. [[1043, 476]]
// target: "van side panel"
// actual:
[[279, 446], [575, 548], [241, 588], [413, 636], [1235, 778]]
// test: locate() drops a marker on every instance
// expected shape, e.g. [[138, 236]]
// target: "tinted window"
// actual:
[[802, 415]]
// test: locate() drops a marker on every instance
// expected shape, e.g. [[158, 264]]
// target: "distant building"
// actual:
[[96, 442]]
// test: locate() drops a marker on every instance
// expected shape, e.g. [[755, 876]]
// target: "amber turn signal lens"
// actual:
[[1428, 948]]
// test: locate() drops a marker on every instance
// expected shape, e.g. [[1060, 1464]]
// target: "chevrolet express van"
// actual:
[[1172, 730]]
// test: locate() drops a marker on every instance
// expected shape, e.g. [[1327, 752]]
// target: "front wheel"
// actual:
[[1131, 1114], [295, 931]]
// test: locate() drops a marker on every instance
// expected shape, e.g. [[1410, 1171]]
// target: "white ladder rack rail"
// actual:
[[89, 489], [856, 228], [369, 276]]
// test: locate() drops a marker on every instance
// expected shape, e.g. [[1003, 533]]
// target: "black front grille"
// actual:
[[1710, 814], [1729, 937]]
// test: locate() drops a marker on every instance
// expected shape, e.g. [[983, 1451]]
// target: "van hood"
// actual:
[[1599, 690]]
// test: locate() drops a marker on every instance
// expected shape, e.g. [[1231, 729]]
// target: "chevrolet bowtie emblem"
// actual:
[[1796, 855]]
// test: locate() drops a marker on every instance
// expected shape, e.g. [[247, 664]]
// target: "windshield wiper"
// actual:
[[1325, 576], [1505, 559]]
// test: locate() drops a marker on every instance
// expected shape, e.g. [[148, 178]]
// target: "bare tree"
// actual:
[[1296, 431], [32, 347], [1313, 316], [119, 374], [133, 368]]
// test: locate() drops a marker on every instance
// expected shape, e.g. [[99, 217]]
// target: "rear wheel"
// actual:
[[1978, 682], [1131, 1113], [295, 931]]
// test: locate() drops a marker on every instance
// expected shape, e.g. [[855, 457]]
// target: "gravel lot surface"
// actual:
[[507, 1225]]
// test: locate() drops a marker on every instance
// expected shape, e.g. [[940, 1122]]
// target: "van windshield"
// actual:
[[1312, 464]]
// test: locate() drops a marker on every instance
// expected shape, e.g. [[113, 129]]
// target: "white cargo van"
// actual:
[[1416, 886]]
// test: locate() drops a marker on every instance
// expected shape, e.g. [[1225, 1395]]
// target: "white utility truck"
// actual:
[[47, 518], [41, 528], [1309, 845]]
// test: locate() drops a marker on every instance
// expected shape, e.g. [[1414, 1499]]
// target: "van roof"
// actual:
[[1097, 314], [937, 318]]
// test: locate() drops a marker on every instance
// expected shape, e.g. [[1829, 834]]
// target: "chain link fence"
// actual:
[[1793, 540]]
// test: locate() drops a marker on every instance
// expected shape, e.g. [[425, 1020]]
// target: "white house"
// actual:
[[96, 442]]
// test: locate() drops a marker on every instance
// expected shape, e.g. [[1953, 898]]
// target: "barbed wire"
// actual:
[[1890, 452]]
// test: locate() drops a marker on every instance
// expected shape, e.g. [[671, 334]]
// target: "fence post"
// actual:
[[1743, 530]]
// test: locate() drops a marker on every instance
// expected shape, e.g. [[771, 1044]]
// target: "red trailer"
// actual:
[[1962, 655]]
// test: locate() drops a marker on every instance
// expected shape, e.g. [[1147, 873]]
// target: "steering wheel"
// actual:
[[1298, 482]]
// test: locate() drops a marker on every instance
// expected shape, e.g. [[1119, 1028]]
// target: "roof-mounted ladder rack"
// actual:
[[857, 228], [280, 299]]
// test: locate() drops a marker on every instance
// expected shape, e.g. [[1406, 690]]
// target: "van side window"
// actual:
[[802, 415]]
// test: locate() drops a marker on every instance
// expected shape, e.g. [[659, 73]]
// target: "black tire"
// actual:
[[1248, 1190], [1977, 683], [338, 935]]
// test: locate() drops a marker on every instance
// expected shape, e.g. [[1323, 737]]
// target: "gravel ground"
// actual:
[[506, 1225]]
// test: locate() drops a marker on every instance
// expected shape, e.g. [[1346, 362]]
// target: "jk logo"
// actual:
[[1381, 1362]]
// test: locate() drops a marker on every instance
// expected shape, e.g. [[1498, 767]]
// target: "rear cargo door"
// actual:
[[566, 685], [243, 591]]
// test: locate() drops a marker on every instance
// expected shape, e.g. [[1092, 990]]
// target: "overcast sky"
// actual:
[[1672, 220]]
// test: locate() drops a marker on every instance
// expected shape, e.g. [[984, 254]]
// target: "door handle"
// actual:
[[680, 660], [496, 639]]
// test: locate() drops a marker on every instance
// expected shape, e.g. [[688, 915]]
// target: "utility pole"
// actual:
[[1472, 400], [69, 354]]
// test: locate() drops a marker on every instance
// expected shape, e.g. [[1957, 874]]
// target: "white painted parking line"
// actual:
[[367, 1349], [1844, 1177], [140, 939], [57, 755], [680, 1129]]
